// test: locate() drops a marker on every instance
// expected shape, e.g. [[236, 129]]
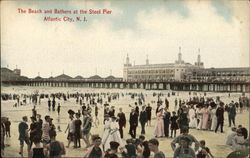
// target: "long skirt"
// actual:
[[159, 128], [193, 123], [214, 123]]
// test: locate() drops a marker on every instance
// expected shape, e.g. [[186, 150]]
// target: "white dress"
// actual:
[[111, 133], [192, 119], [105, 137], [214, 119], [115, 134], [199, 113]]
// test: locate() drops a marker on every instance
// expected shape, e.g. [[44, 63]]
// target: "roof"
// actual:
[[4, 69], [38, 78], [78, 77], [95, 77], [110, 77], [63, 77]]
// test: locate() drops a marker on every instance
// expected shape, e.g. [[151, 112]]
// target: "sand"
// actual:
[[215, 141]]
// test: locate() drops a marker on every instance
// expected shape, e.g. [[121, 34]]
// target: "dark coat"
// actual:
[[133, 119], [167, 118], [143, 117], [122, 119], [220, 114], [232, 111]]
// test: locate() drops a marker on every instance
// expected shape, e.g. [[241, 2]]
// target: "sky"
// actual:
[[137, 28]]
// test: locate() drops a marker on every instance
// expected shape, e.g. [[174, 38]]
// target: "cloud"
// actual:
[[223, 9], [45, 47], [203, 29]]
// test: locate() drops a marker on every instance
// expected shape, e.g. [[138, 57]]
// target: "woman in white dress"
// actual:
[[111, 133], [199, 114], [114, 131], [192, 118], [105, 137], [214, 118]]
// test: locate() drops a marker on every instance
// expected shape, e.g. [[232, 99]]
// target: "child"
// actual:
[[174, 125], [204, 152]]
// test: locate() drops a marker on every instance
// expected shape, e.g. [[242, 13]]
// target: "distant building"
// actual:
[[9, 75], [222, 74], [177, 71], [182, 71]]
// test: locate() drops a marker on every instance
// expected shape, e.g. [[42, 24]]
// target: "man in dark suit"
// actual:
[[112, 111], [166, 118], [220, 117], [231, 113], [133, 121], [121, 122], [143, 119]]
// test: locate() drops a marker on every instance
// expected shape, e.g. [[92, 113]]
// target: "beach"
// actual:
[[215, 141]]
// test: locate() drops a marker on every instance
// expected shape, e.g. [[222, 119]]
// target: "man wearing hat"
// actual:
[[121, 121], [220, 117], [143, 119], [133, 121], [166, 119]]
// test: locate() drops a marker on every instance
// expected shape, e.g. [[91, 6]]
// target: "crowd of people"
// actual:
[[196, 113]]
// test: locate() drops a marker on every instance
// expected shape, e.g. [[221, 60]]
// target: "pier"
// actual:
[[219, 86]]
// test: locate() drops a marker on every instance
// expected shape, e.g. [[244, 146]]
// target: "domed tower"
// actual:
[[179, 61], [126, 68], [127, 64], [199, 63]]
